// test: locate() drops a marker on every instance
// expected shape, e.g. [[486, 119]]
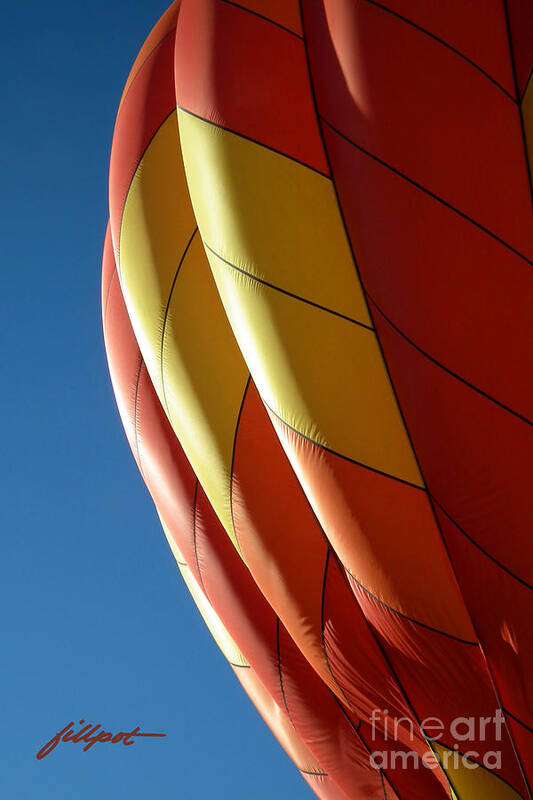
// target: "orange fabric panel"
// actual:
[[385, 531], [272, 521], [288, 554], [273, 104]]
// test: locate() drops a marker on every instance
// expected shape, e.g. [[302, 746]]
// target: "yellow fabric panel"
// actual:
[[472, 784], [527, 114], [211, 618], [204, 373], [205, 379], [157, 223], [320, 373], [270, 216]]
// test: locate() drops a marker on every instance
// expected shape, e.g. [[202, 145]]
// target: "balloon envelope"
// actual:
[[317, 292]]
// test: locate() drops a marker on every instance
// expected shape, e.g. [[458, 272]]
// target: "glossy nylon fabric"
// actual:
[[331, 406]]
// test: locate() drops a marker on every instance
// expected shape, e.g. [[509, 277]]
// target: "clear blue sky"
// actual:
[[95, 622]]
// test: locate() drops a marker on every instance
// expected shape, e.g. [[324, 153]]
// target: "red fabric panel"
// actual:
[[475, 28], [355, 657], [475, 456], [399, 774], [164, 27], [523, 737], [521, 27], [240, 72], [281, 12], [137, 122], [273, 517], [108, 270], [448, 680], [503, 626], [444, 125], [298, 683], [457, 293]]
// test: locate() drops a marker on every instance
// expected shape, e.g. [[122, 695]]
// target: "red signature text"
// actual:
[[91, 735]]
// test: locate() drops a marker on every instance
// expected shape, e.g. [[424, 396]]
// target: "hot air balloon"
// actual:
[[317, 290]]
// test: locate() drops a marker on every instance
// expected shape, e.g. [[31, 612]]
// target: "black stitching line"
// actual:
[[136, 415], [479, 762], [517, 92], [356, 268], [434, 502], [134, 173], [516, 719], [319, 117], [195, 542], [322, 637], [184, 564], [233, 462], [383, 784], [254, 141], [479, 547], [457, 377], [108, 291], [182, 259], [286, 292], [312, 772], [526, 87], [150, 54], [407, 430], [426, 191], [355, 728], [410, 619], [261, 16], [340, 455], [444, 44], [357, 731], [280, 673]]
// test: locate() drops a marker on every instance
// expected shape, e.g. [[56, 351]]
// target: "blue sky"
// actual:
[[96, 623]]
